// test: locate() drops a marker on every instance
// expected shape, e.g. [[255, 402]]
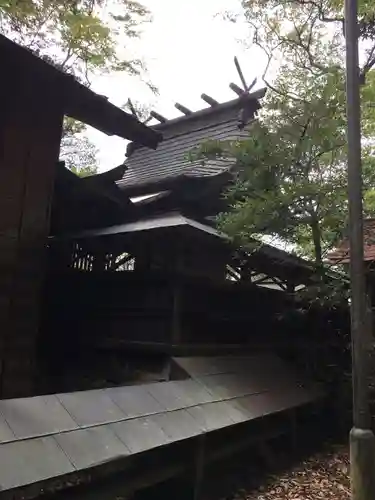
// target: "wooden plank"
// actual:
[[31, 139], [12, 161]]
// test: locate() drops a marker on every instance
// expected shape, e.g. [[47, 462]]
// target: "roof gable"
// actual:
[[181, 136]]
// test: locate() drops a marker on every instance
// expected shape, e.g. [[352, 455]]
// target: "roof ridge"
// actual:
[[239, 102], [185, 134], [246, 98]]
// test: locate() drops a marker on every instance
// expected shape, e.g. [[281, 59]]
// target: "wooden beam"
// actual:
[[209, 100], [120, 262], [238, 67], [236, 89], [160, 118], [113, 175], [262, 279], [252, 84], [234, 274], [124, 485], [186, 111]]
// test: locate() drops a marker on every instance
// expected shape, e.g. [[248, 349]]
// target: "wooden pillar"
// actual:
[[370, 305], [176, 313], [293, 431], [30, 133], [199, 463], [99, 260]]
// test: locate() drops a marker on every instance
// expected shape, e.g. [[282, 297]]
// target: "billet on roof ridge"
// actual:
[[213, 108]]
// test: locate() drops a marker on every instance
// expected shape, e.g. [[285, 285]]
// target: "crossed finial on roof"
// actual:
[[241, 92]]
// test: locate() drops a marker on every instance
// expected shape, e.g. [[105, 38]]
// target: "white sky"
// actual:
[[188, 50]]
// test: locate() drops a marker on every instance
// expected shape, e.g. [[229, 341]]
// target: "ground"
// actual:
[[324, 475], [308, 475]]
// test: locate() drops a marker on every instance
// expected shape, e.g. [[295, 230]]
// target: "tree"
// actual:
[[291, 172], [77, 36], [139, 110], [304, 27], [76, 150]]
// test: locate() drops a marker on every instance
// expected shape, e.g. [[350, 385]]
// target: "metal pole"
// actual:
[[362, 441], [361, 415]]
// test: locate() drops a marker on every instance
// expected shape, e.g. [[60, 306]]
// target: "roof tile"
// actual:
[[30, 461], [341, 255], [140, 434], [171, 159], [90, 447], [40, 415], [91, 407]]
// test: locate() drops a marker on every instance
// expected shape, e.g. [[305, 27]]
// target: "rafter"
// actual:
[[160, 118], [209, 100], [183, 109]]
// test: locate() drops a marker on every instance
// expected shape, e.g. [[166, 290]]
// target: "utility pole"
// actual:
[[362, 440]]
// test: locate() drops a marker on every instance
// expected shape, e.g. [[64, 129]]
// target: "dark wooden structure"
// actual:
[[135, 289], [34, 98], [170, 178], [122, 299]]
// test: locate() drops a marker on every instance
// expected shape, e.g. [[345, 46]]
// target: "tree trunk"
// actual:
[[316, 235]]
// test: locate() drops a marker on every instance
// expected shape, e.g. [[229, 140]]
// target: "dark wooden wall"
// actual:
[[133, 312], [155, 307], [229, 313], [91, 307], [30, 131]]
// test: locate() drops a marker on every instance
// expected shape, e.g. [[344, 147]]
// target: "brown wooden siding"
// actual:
[[30, 140]]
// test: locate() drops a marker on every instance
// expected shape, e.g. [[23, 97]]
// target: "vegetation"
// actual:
[[291, 176], [76, 150], [79, 37]]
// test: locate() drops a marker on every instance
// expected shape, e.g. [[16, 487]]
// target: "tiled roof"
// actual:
[[53, 436], [341, 255], [180, 137]]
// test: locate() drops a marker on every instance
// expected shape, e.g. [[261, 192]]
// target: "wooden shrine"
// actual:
[[120, 282], [142, 273]]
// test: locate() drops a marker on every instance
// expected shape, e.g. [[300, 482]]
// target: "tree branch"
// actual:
[[322, 15], [370, 62], [269, 60]]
